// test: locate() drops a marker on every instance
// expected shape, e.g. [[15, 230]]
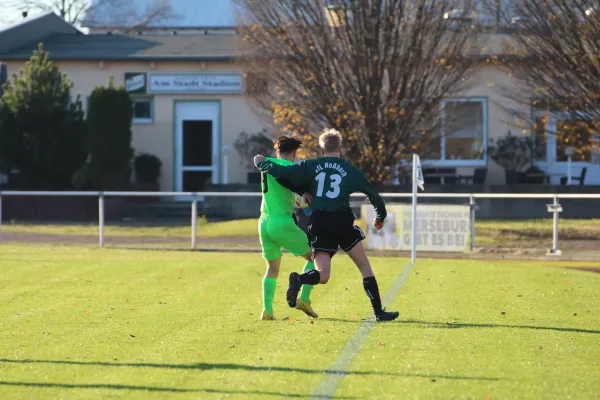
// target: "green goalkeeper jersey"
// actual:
[[277, 199], [332, 180]]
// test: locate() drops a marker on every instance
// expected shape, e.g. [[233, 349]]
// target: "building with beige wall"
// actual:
[[190, 107], [187, 90]]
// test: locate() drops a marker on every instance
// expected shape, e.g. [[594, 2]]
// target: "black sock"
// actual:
[[372, 290], [312, 277]]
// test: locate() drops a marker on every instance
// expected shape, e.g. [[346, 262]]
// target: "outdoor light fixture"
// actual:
[[569, 151], [225, 153]]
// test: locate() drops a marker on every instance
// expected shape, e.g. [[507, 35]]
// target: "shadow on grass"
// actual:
[[357, 321], [208, 367], [198, 366], [154, 389], [459, 325], [456, 325], [520, 234]]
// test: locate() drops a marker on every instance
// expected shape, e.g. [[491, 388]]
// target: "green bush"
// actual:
[[147, 168], [42, 131], [109, 126]]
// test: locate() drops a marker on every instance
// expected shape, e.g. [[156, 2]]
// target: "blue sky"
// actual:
[[185, 13]]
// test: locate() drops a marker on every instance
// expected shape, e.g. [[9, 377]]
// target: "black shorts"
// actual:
[[329, 230]]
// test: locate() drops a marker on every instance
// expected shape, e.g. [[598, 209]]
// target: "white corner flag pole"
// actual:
[[417, 181]]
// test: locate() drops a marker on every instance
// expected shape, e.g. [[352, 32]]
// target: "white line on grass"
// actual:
[[334, 375]]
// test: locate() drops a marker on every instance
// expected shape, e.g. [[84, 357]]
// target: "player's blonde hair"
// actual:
[[330, 140]]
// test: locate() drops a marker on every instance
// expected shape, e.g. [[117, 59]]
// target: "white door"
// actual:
[[197, 158], [551, 148]]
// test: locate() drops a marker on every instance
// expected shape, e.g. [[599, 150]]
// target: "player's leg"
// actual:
[[351, 243], [309, 266], [303, 303], [323, 249], [293, 239], [312, 277], [323, 265], [269, 285], [271, 252], [321, 232]]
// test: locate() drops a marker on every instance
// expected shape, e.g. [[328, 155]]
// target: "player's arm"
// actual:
[[374, 198], [298, 189], [297, 174]]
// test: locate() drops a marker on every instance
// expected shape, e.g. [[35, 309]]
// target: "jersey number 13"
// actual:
[[334, 185]]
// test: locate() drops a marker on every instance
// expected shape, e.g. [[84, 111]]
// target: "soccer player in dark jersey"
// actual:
[[332, 180]]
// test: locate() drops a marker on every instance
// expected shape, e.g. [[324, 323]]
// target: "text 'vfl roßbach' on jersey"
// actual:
[[332, 180]]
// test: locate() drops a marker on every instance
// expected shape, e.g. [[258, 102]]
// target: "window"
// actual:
[[540, 143], [555, 130], [463, 132], [143, 110]]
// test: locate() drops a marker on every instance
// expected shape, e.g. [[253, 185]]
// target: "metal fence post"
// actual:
[[101, 219], [194, 218], [555, 208], [473, 207]]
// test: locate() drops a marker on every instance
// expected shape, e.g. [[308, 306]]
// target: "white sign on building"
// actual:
[[195, 83], [135, 83], [440, 228]]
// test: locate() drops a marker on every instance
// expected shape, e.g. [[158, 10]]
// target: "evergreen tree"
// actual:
[[42, 133]]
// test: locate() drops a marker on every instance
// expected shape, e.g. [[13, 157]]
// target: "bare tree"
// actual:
[[76, 12], [555, 57], [501, 12], [376, 70]]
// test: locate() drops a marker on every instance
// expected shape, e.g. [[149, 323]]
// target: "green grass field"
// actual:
[[96, 324], [205, 229]]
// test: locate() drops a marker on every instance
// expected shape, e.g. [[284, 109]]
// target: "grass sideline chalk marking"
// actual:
[[334, 375]]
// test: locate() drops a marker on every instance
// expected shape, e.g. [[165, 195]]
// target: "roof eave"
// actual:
[[158, 28], [133, 58]]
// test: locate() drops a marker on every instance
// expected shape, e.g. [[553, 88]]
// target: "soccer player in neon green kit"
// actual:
[[277, 228], [332, 180]]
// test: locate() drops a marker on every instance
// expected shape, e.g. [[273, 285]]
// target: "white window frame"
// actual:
[[140, 121], [461, 163], [551, 163]]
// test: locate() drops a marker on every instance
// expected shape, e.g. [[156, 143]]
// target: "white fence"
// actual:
[[554, 208]]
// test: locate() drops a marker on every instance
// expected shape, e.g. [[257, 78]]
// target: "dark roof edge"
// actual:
[[10, 57], [150, 28]]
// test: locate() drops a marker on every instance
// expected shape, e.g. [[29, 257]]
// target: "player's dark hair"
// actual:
[[287, 143]]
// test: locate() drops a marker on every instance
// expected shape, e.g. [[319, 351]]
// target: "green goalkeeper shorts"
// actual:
[[277, 232]]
